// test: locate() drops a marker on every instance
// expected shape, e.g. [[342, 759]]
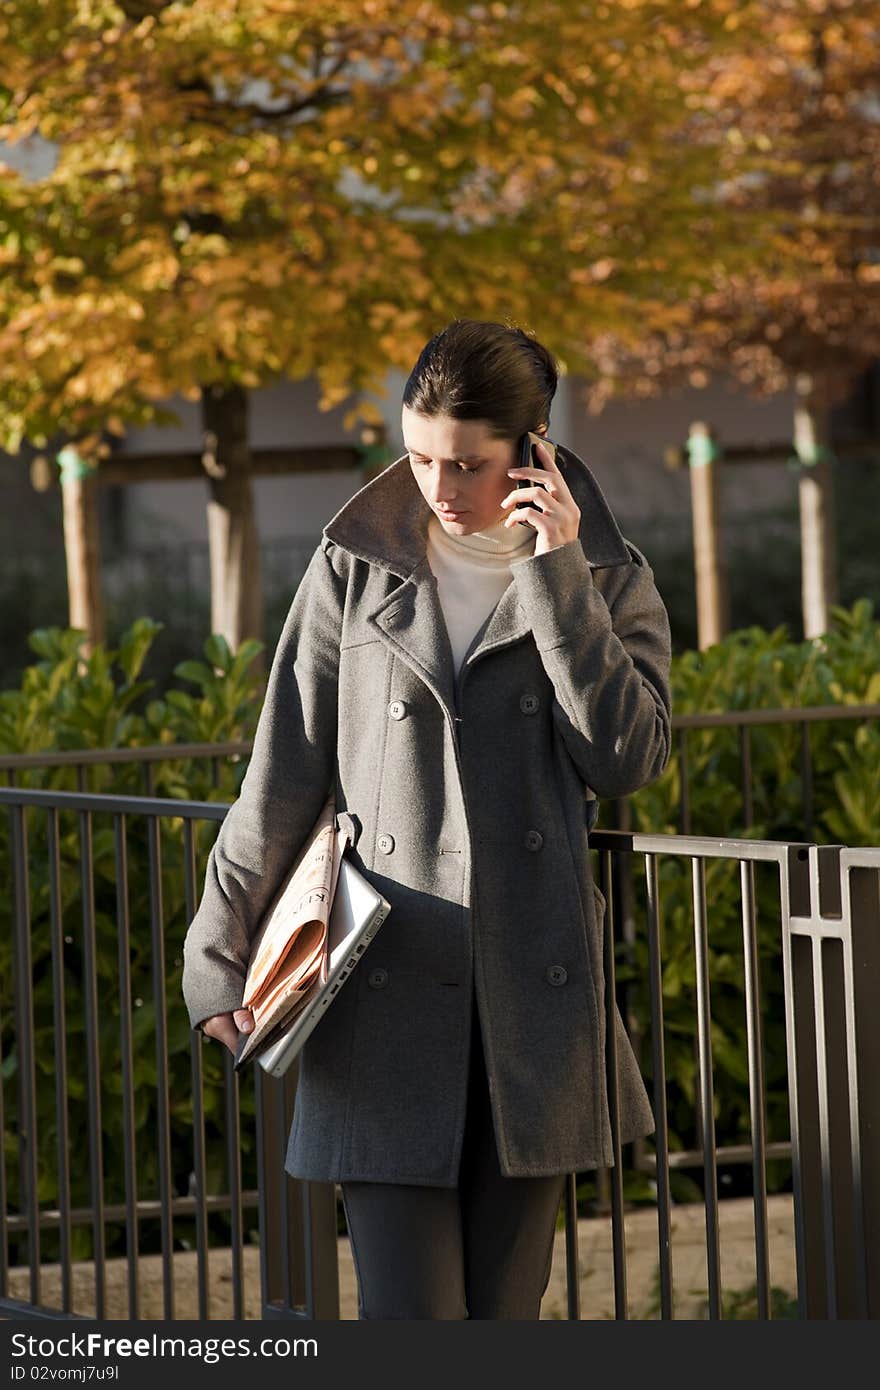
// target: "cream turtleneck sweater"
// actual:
[[472, 573]]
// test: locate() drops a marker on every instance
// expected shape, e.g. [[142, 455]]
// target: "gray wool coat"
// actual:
[[470, 797]]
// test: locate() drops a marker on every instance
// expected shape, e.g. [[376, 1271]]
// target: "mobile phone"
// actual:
[[528, 458]]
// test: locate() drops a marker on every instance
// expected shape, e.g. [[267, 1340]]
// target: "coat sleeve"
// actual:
[[288, 778], [609, 664]]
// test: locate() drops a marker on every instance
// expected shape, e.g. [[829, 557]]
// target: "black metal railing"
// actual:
[[804, 718], [71, 901]]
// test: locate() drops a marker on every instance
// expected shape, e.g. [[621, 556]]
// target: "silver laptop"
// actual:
[[357, 914]]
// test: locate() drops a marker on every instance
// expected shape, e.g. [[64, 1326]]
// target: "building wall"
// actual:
[[624, 446], [297, 505]]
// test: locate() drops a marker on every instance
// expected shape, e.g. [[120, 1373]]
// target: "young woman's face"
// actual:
[[460, 468]]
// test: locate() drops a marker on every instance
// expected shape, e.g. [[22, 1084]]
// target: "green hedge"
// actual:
[[751, 669], [66, 701]]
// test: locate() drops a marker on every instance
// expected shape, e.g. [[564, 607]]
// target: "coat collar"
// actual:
[[386, 523]]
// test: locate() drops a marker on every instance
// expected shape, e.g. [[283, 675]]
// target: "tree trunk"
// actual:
[[817, 510], [79, 494], [713, 606], [236, 588]]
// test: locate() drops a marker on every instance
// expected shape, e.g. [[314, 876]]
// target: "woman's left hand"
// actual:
[[552, 510]]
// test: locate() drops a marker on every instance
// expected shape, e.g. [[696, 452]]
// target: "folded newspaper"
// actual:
[[289, 953]]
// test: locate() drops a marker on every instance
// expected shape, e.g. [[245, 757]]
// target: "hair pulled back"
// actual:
[[472, 370]]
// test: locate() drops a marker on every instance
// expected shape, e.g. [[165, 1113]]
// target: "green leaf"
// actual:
[[245, 655], [135, 644], [217, 651], [197, 672]]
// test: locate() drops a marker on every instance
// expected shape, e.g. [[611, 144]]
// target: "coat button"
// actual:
[[556, 974], [385, 843], [397, 709], [533, 839], [378, 978], [529, 704]]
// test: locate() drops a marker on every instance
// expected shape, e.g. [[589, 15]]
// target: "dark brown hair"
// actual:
[[484, 371]]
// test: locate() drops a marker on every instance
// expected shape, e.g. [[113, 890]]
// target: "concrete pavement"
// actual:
[[737, 1245]]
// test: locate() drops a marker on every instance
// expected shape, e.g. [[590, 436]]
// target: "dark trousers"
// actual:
[[481, 1250]]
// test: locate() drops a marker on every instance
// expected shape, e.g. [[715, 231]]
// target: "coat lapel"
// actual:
[[410, 619], [386, 524]]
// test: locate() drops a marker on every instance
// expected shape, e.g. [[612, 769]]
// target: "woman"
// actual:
[[470, 678]]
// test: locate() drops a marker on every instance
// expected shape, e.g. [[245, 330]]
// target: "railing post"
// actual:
[[710, 570], [299, 1269], [831, 956], [864, 902]]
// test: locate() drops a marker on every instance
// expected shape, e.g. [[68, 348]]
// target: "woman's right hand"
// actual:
[[226, 1027]]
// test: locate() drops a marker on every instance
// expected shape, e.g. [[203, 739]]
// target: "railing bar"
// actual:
[[785, 714], [707, 1099], [158, 752], [56, 929], [860, 857], [572, 1263], [5, 1224], [278, 1278], [161, 752], [200, 1165], [109, 802], [284, 1204], [233, 1161], [93, 1062], [828, 1221], [812, 714], [629, 930], [200, 1172], [16, 1308], [27, 1086], [757, 1091], [689, 846], [4, 1204], [147, 1209], [126, 1043], [745, 754], [738, 1153], [807, 779], [618, 1233], [309, 1245], [266, 1162], [162, 1098], [664, 1199], [763, 851], [684, 818], [852, 1067], [800, 1235]]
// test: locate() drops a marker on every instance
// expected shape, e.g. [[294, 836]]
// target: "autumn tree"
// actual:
[[793, 116], [252, 190]]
